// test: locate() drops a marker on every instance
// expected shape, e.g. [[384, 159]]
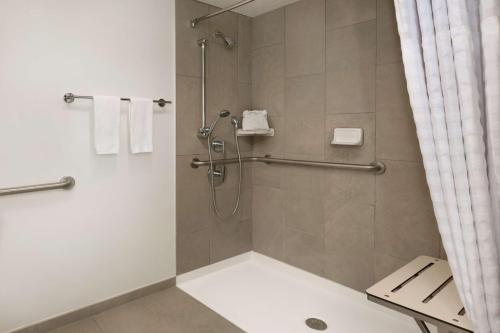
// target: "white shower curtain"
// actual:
[[451, 55]]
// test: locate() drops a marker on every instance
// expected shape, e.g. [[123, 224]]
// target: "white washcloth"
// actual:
[[106, 124], [254, 120], [141, 125]]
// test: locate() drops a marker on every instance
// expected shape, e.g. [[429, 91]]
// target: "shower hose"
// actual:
[[211, 173]]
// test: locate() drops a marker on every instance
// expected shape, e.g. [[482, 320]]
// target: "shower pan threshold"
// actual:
[[261, 295]]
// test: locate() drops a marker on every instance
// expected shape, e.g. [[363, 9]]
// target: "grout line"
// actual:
[[350, 25]]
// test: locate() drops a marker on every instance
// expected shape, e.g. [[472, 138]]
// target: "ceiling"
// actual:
[[253, 8]]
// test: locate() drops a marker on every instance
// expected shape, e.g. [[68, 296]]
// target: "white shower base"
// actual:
[[261, 295]]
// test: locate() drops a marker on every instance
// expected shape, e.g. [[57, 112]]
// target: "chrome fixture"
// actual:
[[70, 98], [195, 21], [218, 145], [203, 131], [377, 166], [220, 172], [228, 41], [65, 183]]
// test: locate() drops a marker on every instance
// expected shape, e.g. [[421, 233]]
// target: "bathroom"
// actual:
[[249, 166]]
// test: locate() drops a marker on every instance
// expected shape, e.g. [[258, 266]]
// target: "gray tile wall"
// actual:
[[317, 65], [202, 238]]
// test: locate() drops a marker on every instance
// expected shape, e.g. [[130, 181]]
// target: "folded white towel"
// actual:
[[106, 124], [254, 120], [141, 125]]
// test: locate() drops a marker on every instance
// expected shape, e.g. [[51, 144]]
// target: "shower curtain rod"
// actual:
[[195, 21], [377, 166]]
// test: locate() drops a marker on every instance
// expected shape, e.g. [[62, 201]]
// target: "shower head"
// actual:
[[235, 123], [224, 113], [228, 41]]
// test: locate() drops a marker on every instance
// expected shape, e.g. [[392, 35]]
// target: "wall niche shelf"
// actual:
[[263, 132]]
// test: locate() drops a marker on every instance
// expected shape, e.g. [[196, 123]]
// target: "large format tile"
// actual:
[[305, 38], [386, 265], [88, 325], [244, 48], [305, 136], [193, 250], [396, 132], [222, 80], [304, 191], [274, 145], [349, 186], [229, 237], [350, 81], [170, 310], [186, 313], [268, 175], [351, 46], [351, 154], [349, 244], [134, 317], [188, 116], [305, 96], [268, 221], [192, 196], [405, 226], [304, 251], [388, 42], [340, 13], [268, 28], [350, 90], [268, 79]]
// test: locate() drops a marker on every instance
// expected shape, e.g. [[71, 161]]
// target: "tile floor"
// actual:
[[168, 311]]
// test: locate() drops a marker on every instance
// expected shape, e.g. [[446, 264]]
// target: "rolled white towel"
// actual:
[[254, 120]]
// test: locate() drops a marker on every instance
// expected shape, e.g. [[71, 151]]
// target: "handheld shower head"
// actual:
[[235, 123], [224, 113]]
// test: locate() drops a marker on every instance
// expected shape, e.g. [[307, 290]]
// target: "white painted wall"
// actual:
[[115, 231]]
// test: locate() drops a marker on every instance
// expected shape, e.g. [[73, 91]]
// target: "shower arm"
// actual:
[[195, 21]]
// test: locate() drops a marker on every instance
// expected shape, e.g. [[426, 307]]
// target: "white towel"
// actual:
[[254, 120], [106, 124], [141, 125]]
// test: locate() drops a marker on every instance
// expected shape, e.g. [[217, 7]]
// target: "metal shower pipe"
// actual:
[[195, 21]]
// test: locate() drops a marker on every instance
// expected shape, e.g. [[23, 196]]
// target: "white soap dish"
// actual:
[[347, 137], [262, 132]]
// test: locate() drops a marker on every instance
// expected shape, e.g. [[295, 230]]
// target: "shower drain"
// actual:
[[316, 324]]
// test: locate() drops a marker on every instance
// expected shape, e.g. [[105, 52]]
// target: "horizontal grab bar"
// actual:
[[65, 183], [377, 166]]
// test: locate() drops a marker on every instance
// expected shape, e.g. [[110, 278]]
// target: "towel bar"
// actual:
[[70, 98], [423, 289], [65, 183]]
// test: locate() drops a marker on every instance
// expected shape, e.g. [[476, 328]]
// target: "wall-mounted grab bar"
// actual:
[[377, 166], [197, 20], [65, 183], [70, 98]]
